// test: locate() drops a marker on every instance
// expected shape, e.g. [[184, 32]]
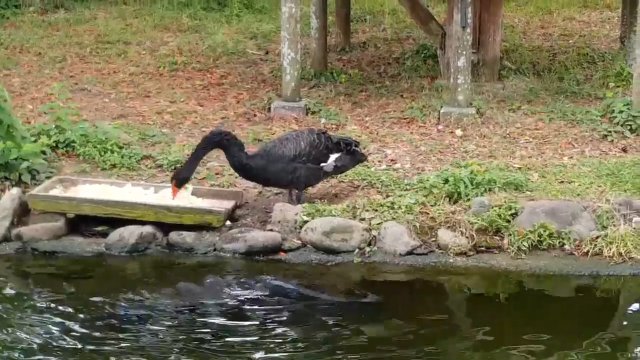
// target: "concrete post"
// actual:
[[291, 103], [458, 55], [319, 35]]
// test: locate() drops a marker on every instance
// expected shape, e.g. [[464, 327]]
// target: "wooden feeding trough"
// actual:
[[220, 203]]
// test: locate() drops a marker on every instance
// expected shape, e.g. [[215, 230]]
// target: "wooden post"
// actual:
[[319, 35], [489, 38], [635, 46], [458, 55], [291, 56], [343, 23]]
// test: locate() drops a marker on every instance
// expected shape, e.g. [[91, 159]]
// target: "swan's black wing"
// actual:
[[308, 146]]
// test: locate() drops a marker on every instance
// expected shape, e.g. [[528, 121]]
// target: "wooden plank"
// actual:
[[221, 203]]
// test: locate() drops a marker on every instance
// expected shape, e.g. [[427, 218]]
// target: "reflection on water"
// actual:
[[160, 308]]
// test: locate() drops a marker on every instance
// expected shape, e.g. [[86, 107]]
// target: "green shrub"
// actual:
[[21, 160], [619, 118], [101, 144]]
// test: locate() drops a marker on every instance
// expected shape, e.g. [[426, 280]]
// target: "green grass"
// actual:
[[441, 199], [593, 179]]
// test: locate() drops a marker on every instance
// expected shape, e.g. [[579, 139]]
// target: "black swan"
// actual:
[[294, 161]]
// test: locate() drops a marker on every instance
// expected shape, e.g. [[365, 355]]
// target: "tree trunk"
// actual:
[[319, 35], [635, 46], [489, 39], [343, 23]]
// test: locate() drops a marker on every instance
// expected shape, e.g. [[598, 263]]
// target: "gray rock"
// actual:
[[133, 239], [11, 247], [635, 223], [192, 242], [452, 243], [70, 245], [397, 239], [425, 249], [627, 209], [335, 235], [249, 241], [12, 207], [292, 244], [285, 219], [563, 215], [40, 232], [43, 218], [480, 205]]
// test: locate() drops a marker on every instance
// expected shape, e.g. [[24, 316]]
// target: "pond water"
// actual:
[[162, 308]]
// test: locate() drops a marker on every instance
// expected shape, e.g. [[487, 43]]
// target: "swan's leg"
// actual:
[[299, 197], [290, 196]]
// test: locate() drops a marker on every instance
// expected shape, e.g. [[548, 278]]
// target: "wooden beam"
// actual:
[[319, 35], [343, 23], [291, 49], [425, 20], [489, 40]]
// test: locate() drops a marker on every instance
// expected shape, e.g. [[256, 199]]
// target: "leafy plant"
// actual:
[[468, 180], [171, 159], [326, 114], [619, 118], [541, 237], [498, 220], [619, 243], [21, 160], [102, 144]]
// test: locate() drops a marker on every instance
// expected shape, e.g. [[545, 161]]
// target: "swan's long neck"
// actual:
[[202, 149], [238, 158]]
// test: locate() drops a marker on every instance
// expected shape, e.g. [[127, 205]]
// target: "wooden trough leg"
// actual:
[[343, 23], [458, 58], [291, 103], [319, 35]]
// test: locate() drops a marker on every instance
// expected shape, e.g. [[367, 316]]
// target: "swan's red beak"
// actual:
[[174, 190]]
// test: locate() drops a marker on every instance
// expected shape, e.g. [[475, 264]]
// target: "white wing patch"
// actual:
[[329, 165]]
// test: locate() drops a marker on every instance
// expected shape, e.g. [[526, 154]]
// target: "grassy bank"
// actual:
[[125, 89]]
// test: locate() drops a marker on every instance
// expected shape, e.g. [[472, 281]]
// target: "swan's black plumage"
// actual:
[[294, 161]]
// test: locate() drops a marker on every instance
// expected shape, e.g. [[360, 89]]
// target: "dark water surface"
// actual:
[[145, 308]]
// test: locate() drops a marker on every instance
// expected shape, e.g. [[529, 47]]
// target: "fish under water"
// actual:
[[216, 288]]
